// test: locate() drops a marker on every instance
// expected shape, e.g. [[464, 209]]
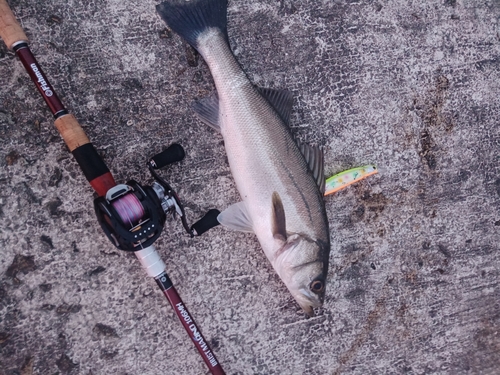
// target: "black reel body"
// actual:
[[131, 216]]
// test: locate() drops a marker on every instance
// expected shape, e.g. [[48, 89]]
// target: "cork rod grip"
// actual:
[[71, 131], [10, 30]]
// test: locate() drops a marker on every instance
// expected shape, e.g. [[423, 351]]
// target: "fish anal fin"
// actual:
[[278, 219], [280, 100], [207, 110]]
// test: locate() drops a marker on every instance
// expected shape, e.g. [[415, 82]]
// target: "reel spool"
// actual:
[[130, 215]]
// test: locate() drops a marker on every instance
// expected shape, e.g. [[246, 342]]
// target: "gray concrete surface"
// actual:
[[412, 86]]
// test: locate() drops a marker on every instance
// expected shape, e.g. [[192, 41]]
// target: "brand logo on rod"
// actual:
[[196, 334], [43, 84]]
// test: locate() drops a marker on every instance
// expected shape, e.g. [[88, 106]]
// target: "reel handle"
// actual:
[[208, 221], [10, 30], [173, 153]]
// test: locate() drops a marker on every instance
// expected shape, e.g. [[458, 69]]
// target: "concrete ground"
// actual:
[[411, 86]]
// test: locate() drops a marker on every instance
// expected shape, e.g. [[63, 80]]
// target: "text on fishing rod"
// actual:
[[196, 334], [43, 84]]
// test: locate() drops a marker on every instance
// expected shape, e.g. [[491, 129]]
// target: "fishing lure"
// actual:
[[343, 179]]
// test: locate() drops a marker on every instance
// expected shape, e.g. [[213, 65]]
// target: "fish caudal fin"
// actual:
[[190, 19]]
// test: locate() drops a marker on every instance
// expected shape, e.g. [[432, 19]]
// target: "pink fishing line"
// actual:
[[130, 209]]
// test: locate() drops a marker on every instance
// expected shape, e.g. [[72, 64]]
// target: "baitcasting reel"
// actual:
[[132, 216]]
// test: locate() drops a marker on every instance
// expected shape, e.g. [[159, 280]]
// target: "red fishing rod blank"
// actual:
[[155, 268], [92, 165], [98, 175]]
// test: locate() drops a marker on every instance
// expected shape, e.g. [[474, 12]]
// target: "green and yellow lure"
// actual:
[[343, 179]]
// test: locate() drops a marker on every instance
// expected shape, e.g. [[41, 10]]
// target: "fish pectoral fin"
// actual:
[[280, 100], [236, 217], [207, 110], [315, 159], [278, 219]]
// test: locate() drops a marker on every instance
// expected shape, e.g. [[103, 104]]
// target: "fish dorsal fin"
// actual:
[[280, 100], [236, 217], [315, 160], [207, 110], [278, 219]]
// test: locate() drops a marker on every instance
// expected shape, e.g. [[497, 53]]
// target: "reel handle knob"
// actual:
[[206, 222], [173, 153]]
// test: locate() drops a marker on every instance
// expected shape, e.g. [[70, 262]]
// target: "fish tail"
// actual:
[[191, 19]]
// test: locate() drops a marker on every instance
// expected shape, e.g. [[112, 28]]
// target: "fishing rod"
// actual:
[[131, 215]]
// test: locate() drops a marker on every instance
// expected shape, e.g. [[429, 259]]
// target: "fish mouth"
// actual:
[[308, 310], [308, 305]]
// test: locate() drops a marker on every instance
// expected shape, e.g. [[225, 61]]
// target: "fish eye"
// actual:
[[317, 286]]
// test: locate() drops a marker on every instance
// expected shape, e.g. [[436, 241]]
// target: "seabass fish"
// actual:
[[280, 182]]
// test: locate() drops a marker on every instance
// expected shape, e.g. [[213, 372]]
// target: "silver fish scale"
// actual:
[[265, 159], [262, 154]]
